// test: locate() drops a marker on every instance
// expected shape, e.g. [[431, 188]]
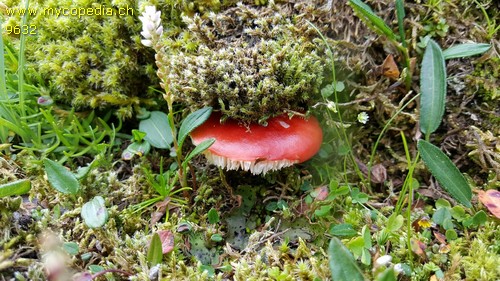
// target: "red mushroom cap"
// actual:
[[259, 149]]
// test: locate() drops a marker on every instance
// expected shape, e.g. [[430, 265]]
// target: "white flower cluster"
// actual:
[[151, 25], [363, 117]]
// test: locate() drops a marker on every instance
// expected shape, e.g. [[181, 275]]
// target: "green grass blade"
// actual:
[[465, 50], [20, 74], [400, 12], [433, 89], [3, 85], [445, 172], [365, 13], [197, 150], [342, 263]]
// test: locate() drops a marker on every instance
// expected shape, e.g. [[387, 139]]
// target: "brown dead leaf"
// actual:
[[390, 68], [379, 173], [490, 199], [440, 237], [418, 247]]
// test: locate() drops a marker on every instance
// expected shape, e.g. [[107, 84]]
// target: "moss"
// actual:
[[92, 61], [481, 257], [249, 62], [485, 80]]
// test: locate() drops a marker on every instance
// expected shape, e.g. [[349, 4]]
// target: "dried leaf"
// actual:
[[440, 237], [379, 173], [418, 247], [490, 199], [167, 240], [390, 68], [320, 193]]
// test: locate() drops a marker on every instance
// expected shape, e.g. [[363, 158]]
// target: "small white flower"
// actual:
[[331, 105], [398, 268], [363, 117], [383, 260], [151, 25]]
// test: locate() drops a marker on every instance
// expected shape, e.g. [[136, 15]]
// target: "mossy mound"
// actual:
[[249, 62]]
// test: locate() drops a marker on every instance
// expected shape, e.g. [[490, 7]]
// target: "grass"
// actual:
[[178, 218]]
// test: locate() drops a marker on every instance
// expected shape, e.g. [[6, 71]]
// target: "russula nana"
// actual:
[[259, 149]]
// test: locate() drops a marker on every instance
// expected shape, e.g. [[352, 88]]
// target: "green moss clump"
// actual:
[[486, 79], [89, 61], [249, 62]]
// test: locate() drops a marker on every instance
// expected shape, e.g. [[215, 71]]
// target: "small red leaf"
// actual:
[[167, 240], [490, 199], [320, 193]]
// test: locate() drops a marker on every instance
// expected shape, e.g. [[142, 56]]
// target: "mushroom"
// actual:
[[259, 149]]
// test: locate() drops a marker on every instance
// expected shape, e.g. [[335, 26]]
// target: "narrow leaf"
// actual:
[[465, 50], [18, 187], [400, 12], [344, 229], [433, 88], [94, 212], [60, 178], [157, 129], [197, 150], [342, 263], [445, 172], [365, 13], [192, 122], [155, 252]]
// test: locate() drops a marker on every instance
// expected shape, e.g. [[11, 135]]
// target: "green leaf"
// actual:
[[365, 13], [323, 211], [395, 222], [213, 216], [17, 187], [465, 50], [155, 252], [480, 218], [136, 148], [82, 172], [451, 235], [342, 263], [387, 275], [157, 129], [441, 215], [71, 248], [138, 135], [433, 89], [344, 229], [192, 122], [60, 178], [204, 145], [209, 269], [445, 172], [94, 212], [216, 237]]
